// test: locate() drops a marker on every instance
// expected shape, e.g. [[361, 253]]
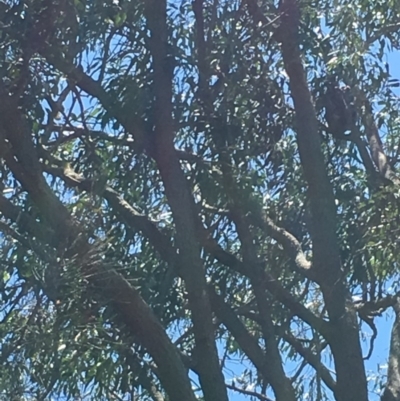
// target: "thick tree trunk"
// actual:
[[180, 199], [392, 389], [344, 336]]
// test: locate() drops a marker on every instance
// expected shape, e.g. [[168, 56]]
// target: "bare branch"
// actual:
[[259, 396], [375, 143]]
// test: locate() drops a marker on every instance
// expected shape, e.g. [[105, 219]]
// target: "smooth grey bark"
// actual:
[[161, 148], [392, 388], [344, 332]]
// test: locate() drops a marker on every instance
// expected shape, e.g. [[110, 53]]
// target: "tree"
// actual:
[[185, 184]]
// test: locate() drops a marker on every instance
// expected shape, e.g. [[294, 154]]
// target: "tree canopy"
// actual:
[[199, 199]]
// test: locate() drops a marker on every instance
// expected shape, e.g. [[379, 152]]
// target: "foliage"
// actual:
[[182, 216]]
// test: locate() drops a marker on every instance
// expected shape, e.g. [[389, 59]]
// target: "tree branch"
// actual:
[[375, 143], [344, 341], [127, 302], [261, 397], [392, 388]]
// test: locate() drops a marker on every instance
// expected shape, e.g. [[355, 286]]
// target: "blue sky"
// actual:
[[384, 323], [376, 365]]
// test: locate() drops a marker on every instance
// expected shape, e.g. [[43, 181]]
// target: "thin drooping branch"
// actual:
[[365, 156], [26, 223], [268, 281], [141, 321], [201, 46], [280, 383], [375, 143], [263, 361], [25, 240], [311, 358], [130, 121], [23, 160], [249, 393], [137, 315], [258, 16], [382, 31]]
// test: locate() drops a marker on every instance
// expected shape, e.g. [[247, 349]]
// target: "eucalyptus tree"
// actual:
[[199, 199]]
